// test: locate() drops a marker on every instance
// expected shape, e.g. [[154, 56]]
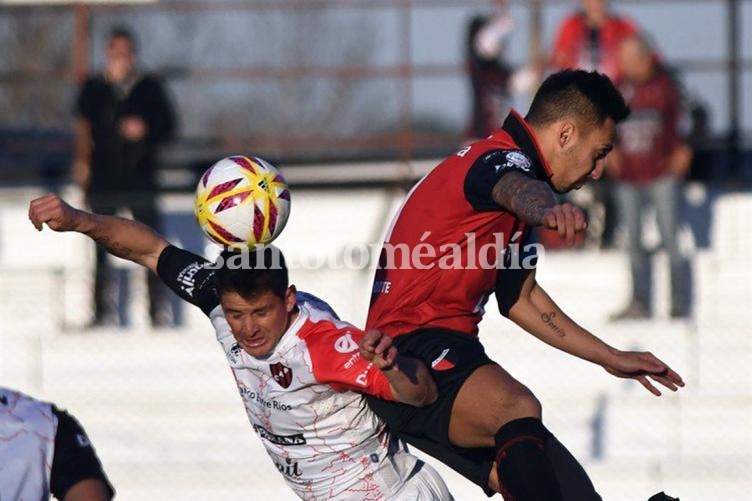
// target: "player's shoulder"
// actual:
[[323, 332], [316, 306], [501, 159], [9, 397]]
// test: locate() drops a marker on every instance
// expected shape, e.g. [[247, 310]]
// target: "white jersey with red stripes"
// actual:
[[323, 439]]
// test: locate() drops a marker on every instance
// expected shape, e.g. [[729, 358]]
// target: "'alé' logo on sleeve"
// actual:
[[345, 344]]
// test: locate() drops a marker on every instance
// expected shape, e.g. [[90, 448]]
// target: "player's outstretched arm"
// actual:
[[538, 314], [121, 237], [534, 202], [409, 379]]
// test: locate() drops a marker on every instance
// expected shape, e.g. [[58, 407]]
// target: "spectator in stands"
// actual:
[[589, 40], [648, 166], [489, 73], [123, 117], [44, 451]]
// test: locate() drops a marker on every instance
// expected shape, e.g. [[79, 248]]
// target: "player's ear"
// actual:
[[290, 298], [566, 134]]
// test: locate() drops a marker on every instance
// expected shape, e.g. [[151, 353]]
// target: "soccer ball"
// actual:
[[242, 202]]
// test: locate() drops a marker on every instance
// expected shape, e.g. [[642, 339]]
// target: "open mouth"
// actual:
[[254, 342]]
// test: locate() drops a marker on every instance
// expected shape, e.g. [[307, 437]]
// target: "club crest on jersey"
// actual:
[[281, 374], [519, 159]]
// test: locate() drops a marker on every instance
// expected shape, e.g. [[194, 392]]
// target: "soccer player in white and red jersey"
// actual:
[[301, 372], [485, 424]]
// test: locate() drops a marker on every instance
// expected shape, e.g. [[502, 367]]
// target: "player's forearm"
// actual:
[[527, 198], [411, 382], [123, 238], [539, 315]]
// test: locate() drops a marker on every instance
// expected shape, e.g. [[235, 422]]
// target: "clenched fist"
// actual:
[[377, 348], [567, 219], [55, 213]]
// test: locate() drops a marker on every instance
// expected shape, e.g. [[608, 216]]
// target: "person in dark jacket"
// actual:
[[123, 117]]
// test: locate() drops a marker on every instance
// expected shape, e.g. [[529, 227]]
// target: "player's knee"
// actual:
[[528, 405], [520, 404], [523, 403]]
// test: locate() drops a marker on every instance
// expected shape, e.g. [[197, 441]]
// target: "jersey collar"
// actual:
[[522, 134]]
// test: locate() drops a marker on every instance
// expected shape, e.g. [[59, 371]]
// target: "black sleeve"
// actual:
[[189, 276], [74, 459], [487, 170], [520, 259]]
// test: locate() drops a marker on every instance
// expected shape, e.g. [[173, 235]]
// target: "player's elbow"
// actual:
[[150, 258]]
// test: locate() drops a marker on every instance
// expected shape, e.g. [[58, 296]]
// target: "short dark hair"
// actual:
[[252, 273], [125, 33], [587, 95]]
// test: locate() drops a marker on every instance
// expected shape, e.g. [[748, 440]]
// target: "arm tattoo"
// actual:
[[548, 319], [121, 237], [527, 198], [111, 245]]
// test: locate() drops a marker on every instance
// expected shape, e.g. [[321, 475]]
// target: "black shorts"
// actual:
[[451, 356]]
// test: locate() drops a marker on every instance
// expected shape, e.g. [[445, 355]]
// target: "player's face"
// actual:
[[258, 323], [582, 155]]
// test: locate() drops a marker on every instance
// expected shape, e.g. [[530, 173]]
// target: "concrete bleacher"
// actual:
[[163, 411]]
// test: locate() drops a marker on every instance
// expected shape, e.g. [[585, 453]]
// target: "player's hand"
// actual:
[[377, 348], [643, 367], [54, 212], [567, 220]]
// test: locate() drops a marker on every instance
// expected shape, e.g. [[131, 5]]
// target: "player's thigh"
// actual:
[[424, 485], [489, 398]]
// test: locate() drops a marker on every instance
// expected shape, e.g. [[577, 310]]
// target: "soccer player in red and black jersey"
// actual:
[[458, 219]]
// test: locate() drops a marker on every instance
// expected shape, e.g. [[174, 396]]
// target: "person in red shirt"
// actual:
[[590, 40], [460, 236], [650, 162]]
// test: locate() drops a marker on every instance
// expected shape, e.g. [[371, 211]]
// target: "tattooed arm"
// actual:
[[534, 203], [123, 238], [526, 197], [539, 315]]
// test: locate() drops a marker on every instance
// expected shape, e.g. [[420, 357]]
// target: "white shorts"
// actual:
[[423, 485]]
